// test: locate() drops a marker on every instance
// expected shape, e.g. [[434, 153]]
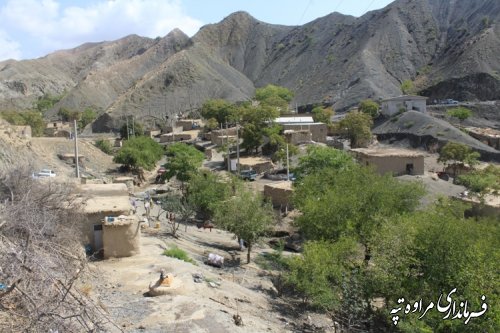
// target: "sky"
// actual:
[[33, 28]]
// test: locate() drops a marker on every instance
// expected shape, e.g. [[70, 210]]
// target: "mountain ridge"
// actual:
[[447, 48]]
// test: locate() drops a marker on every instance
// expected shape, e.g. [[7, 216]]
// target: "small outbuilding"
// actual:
[[389, 160], [280, 194], [392, 106], [121, 236]]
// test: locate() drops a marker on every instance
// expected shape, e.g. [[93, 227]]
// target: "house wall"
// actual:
[[390, 108], [318, 130], [280, 197], [189, 124], [174, 137], [122, 240], [394, 164], [219, 140], [87, 226], [298, 137]]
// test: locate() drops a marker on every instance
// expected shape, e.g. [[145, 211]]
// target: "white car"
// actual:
[[46, 173]]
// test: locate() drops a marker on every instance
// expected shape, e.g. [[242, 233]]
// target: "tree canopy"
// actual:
[[323, 115], [369, 107], [460, 113], [206, 190], [319, 158], [274, 96], [357, 127], [33, 119], [246, 215], [183, 161], [139, 152], [220, 110], [455, 154], [407, 87]]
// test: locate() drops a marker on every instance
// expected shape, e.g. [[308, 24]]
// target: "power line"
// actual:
[[304, 12], [371, 3]]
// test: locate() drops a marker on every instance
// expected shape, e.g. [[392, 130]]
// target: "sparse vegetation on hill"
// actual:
[[460, 113], [369, 107], [105, 146], [30, 118]]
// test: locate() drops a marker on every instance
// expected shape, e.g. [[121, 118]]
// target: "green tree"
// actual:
[[407, 87], [105, 146], [319, 158], [183, 161], [457, 154], [483, 181], [369, 107], [220, 110], [274, 96], [139, 152], [86, 117], [357, 127], [460, 113], [323, 115], [351, 202], [33, 119], [247, 216], [211, 124], [205, 191], [46, 102], [68, 115], [134, 127], [413, 256]]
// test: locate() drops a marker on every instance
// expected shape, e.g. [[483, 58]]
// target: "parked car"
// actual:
[[248, 174], [451, 101], [279, 174], [46, 173]]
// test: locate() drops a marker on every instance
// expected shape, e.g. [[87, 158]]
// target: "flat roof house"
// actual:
[[395, 161], [392, 106]]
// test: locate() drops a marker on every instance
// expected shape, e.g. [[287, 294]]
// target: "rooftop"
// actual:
[[489, 132], [118, 204], [388, 152], [405, 98], [280, 185], [294, 120]]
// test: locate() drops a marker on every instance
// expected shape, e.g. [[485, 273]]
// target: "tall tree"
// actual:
[[274, 96], [220, 110], [319, 158], [369, 107], [139, 152], [323, 115], [183, 161], [206, 190], [357, 127], [351, 202], [247, 216], [456, 154]]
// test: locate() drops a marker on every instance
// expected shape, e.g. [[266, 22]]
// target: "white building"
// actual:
[[391, 106]]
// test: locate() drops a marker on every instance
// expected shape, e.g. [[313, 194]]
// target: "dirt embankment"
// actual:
[[423, 130]]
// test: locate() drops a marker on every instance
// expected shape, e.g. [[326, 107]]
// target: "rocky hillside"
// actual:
[[447, 48]]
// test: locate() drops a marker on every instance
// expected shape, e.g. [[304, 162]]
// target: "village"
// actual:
[[128, 228]]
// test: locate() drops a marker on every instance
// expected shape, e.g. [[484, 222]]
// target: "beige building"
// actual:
[[182, 136], [395, 161], [100, 201], [392, 106], [297, 137], [280, 194], [121, 236], [489, 136], [318, 130], [59, 129], [189, 124]]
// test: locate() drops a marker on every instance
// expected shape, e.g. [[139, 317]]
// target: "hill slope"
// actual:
[[447, 48]]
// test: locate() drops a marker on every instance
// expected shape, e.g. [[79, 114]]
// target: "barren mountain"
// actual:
[[447, 48]]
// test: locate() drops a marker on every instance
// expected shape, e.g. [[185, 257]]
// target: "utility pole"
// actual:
[[238, 146], [133, 125], [228, 151], [128, 133], [287, 166], [76, 150]]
